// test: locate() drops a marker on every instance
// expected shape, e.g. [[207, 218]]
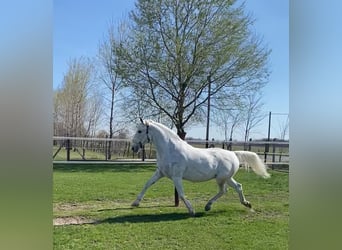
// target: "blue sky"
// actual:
[[80, 25]]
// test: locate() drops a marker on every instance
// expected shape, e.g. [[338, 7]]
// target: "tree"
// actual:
[[284, 128], [253, 113], [109, 75], [228, 120], [76, 107], [228, 115], [94, 111], [173, 47]]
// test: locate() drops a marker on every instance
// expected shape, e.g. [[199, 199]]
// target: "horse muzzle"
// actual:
[[137, 147]]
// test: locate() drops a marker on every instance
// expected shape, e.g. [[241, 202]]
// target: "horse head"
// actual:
[[141, 136]]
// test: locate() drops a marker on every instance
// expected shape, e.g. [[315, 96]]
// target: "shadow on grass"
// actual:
[[132, 218], [145, 218], [83, 167], [130, 208]]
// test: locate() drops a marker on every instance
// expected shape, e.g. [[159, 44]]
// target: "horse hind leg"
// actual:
[[238, 188], [222, 190]]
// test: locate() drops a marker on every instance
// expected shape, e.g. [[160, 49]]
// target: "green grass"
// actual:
[[104, 193]]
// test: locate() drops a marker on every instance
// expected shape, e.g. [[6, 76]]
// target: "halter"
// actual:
[[147, 127], [148, 138]]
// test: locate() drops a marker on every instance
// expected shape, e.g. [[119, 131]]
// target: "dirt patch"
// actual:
[[76, 213], [96, 205], [72, 207], [79, 213], [72, 220]]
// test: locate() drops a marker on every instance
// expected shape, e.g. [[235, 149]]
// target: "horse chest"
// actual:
[[171, 168]]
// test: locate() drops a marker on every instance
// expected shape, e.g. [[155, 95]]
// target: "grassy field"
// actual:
[[100, 197]]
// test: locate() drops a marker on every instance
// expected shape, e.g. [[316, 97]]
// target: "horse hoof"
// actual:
[[207, 207], [247, 204], [135, 204]]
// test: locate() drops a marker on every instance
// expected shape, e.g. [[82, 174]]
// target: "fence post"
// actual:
[[267, 146], [106, 148], [143, 153], [229, 146], [124, 151], [273, 151], [68, 148], [128, 148], [176, 198]]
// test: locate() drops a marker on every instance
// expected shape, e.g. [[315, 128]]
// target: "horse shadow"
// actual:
[[148, 218], [131, 208]]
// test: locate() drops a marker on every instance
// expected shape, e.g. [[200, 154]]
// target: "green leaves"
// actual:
[[172, 47]]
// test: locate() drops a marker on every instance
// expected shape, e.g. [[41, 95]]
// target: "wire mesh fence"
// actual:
[[275, 153]]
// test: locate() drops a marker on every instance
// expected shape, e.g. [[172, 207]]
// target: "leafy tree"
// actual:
[[173, 47]]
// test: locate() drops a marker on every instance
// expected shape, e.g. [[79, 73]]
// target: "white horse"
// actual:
[[178, 160]]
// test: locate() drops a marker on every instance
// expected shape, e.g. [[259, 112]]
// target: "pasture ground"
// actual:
[[91, 210]]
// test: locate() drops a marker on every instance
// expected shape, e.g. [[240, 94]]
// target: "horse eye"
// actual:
[[139, 131]]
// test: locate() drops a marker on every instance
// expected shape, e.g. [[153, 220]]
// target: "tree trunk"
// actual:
[[111, 125], [181, 133]]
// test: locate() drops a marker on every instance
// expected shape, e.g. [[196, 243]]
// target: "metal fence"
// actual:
[[275, 153]]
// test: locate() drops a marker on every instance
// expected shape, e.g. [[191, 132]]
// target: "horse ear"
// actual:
[[141, 120]]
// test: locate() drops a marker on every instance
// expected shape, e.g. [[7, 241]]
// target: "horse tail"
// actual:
[[252, 160]]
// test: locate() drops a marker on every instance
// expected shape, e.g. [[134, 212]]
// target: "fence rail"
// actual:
[[275, 153]]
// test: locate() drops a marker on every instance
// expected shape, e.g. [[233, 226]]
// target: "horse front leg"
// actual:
[[179, 186], [156, 176]]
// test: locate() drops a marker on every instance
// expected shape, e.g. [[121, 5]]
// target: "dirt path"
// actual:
[[65, 212], [72, 220]]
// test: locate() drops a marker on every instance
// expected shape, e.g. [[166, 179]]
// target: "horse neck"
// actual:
[[161, 138]]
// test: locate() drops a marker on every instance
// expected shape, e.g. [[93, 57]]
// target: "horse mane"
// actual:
[[169, 131]]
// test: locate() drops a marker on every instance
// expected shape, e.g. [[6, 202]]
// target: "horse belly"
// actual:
[[197, 174]]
